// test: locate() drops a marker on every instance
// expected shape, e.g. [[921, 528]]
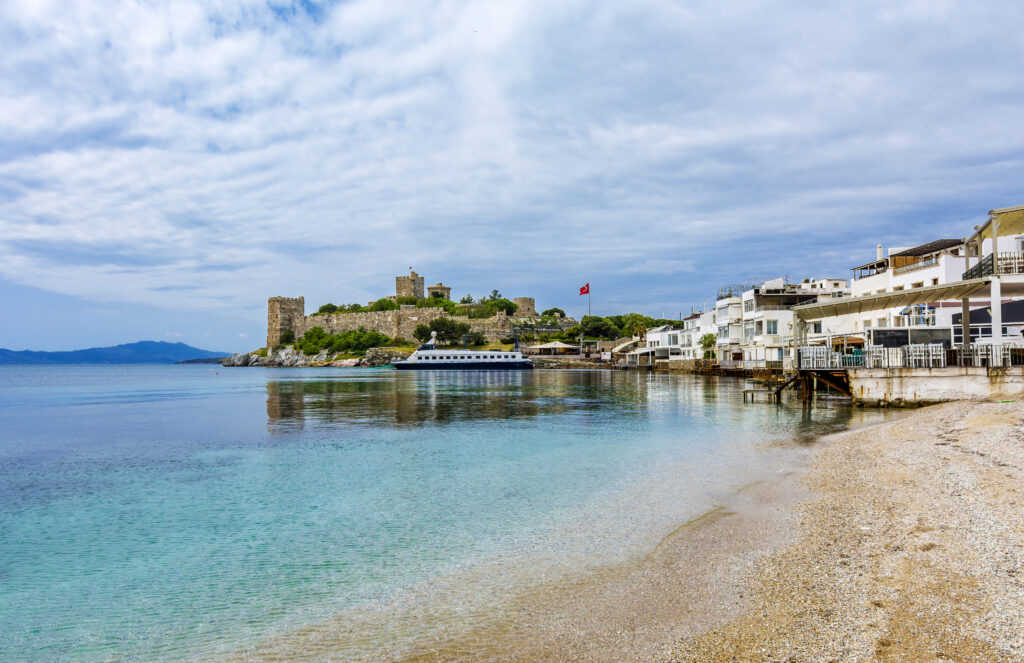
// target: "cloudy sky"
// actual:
[[167, 166]]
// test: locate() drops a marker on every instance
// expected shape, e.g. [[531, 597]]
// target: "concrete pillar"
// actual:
[[965, 319], [995, 246], [997, 311]]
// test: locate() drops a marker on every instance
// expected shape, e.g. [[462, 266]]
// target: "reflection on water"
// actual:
[[443, 397], [446, 397], [165, 513]]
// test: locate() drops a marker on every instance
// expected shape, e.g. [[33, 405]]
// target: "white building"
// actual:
[[768, 325]]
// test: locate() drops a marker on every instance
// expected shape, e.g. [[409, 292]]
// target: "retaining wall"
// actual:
[[921, 386]]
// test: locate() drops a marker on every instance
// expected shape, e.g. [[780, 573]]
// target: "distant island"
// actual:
[[142, 352]]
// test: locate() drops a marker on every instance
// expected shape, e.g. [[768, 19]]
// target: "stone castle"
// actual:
[[289, 314]]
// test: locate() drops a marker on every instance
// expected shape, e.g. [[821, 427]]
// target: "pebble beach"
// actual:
[[911, 550], [901, 541]]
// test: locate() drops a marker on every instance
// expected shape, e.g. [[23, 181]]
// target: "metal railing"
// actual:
[[1010, 262], [932, 355]]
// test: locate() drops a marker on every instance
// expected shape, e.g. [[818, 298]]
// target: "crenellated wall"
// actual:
[[284, 313]]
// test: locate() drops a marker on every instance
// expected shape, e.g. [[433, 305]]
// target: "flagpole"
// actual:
[[588, 300]]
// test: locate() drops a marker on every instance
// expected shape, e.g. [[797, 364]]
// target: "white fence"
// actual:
[[933, 355]]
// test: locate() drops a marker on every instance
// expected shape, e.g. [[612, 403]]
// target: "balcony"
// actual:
[[930, 262], [1010, 262]]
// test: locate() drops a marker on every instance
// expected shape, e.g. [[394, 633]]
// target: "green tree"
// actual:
[[495, 295], [448, 331], [708, 341], [501, 304], [593, 326], [384, 304], [406, 300], [468, 299], [552, 311], [328, 308], [287, 336]]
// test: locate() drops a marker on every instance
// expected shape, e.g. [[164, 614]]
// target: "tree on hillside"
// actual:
[[448, 331], [552, 311]]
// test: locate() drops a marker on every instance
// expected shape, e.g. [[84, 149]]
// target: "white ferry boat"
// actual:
[[429, 358]]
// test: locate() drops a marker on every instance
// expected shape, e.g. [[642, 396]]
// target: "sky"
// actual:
[[165, 167]]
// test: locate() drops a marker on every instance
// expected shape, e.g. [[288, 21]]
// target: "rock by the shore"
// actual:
[[287, 356]]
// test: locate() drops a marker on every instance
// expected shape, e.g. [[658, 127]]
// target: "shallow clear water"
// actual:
[[167, 512]]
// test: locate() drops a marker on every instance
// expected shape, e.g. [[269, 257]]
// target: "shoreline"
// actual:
[[910, 551], [898, 540]]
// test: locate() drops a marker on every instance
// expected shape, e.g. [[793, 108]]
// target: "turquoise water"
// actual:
[[165, 512]]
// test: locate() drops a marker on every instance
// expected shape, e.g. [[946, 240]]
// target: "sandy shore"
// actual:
[[913, 550], [902, 541]]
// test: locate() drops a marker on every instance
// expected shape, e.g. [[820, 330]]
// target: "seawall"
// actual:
[[923, 386]]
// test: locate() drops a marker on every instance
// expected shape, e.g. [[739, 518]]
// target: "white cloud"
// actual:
[[206, 155]]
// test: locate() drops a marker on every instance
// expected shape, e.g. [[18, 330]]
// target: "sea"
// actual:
[[195, 512]]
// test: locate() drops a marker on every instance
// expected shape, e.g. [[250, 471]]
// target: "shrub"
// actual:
[[474, 338], [287, 336], [552, 311], [327, 308], [448, 331], [406, 300], [383, 304], [356, 340]]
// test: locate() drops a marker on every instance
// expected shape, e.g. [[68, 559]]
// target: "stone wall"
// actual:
[[525, 307], [288, 314], [400, 324]]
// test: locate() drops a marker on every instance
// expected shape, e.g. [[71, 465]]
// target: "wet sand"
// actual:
[[902, 541]]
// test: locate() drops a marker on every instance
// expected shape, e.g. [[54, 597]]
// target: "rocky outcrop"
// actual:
[[384, 356], [289, 356]]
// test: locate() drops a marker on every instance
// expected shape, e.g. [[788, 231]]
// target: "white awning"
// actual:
[[851, 305]]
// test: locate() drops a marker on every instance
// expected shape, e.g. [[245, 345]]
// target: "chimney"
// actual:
[[878, 252]]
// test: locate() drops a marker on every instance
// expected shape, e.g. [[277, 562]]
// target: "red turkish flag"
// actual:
[[585, 290]]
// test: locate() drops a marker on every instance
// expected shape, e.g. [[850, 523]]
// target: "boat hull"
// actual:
[[464, 366]]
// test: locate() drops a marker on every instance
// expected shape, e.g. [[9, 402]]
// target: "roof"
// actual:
[[553, 344], [930, 247], [661, 329], [846, 305], [1009, 219]]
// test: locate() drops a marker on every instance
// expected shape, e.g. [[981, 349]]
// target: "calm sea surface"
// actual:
[[170, 512]]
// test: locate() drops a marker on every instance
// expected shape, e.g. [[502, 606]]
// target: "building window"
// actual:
[[817, 327], [897, 288], [771, 326], [935, 281], [867, 323], [881, 322], [919, 284], [673, 339], [748, 305]]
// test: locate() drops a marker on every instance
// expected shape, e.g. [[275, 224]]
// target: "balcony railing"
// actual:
[[917, 265], [1010, 262], [933, 355]]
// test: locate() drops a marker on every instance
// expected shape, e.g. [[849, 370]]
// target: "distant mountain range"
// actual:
[[143, 352]]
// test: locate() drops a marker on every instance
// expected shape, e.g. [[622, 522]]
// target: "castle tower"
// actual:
[[440, 290], [409, 286], [525, 307], [283, 314]]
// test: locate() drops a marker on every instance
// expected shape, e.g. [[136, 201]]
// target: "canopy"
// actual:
[[899, 299], [553, 345], [1009, 219]]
